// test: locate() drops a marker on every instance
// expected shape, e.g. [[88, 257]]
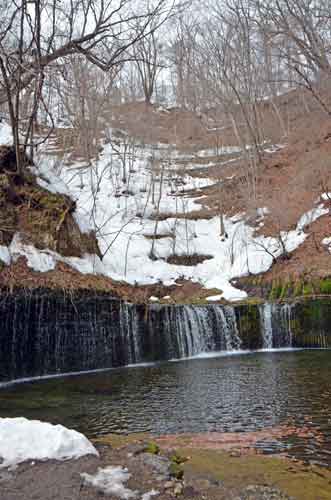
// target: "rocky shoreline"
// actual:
[[164, 472]]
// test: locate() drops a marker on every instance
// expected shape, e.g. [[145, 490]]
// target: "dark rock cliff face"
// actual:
[[44, 332]]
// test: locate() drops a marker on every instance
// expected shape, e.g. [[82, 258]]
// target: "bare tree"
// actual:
[[147, 53], [36, 36]]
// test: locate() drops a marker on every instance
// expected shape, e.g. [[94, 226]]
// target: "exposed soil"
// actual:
[[289, 181], [63, 277], [188, 260]]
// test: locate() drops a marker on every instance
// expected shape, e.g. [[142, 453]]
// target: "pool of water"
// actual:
[[241, 393]]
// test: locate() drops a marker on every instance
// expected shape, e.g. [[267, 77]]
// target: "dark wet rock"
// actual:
[[5, 476], [159, 464]]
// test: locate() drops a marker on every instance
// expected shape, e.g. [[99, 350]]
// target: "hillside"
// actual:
[[166, 195]]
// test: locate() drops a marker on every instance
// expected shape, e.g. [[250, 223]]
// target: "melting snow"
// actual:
[[154, 299], [22, 439], [311, 216], [122, 211], [327, 243], [110, 481]]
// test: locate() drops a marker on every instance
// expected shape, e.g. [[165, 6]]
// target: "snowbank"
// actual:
[[22, 439]]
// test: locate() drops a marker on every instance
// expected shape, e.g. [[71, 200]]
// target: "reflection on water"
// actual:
[[235, 393]]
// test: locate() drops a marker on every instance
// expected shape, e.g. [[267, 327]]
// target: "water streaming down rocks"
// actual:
[[44, 332], [276, 325]]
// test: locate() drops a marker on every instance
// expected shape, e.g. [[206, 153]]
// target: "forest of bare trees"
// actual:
[[229, 54]]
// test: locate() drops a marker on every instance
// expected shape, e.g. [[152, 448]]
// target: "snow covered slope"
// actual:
[[143, 213]]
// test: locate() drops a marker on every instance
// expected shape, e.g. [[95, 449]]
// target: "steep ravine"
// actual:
[[46, 331]]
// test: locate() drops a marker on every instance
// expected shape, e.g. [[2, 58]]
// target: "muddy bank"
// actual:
[[185, 472]]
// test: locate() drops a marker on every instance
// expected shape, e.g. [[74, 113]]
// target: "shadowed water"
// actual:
[[238, 393]]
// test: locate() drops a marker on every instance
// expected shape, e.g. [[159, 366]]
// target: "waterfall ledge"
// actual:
[[46, 332]]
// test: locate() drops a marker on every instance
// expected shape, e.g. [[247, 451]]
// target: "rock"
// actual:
[[168, 484], [190, 492], [136, 448], [158, 463], [257, 492], [5, 476], [178, 489]]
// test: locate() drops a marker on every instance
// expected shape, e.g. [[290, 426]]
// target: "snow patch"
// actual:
[[38, 260], [327, 243], [22, 439], [123, 213], [6, 136], [150, 494], [48, 172], [311, 216], [4, 255], [110, 481], [154, 299], [46, 260]]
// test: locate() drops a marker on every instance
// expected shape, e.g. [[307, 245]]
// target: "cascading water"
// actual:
[[286, 312], [275, 324], [266, 314], [227, 327], [42, 333]]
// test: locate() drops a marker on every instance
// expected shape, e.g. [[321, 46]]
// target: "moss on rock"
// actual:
[[43, 218]]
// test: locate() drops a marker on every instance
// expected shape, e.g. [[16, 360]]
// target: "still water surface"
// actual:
[[238, 393]]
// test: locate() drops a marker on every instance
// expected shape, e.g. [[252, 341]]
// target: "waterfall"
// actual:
[[45, 332], [199, 329], [194, 329], [227, 327], [275, 324], [286, 311], [266, 311], [129, 332]]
